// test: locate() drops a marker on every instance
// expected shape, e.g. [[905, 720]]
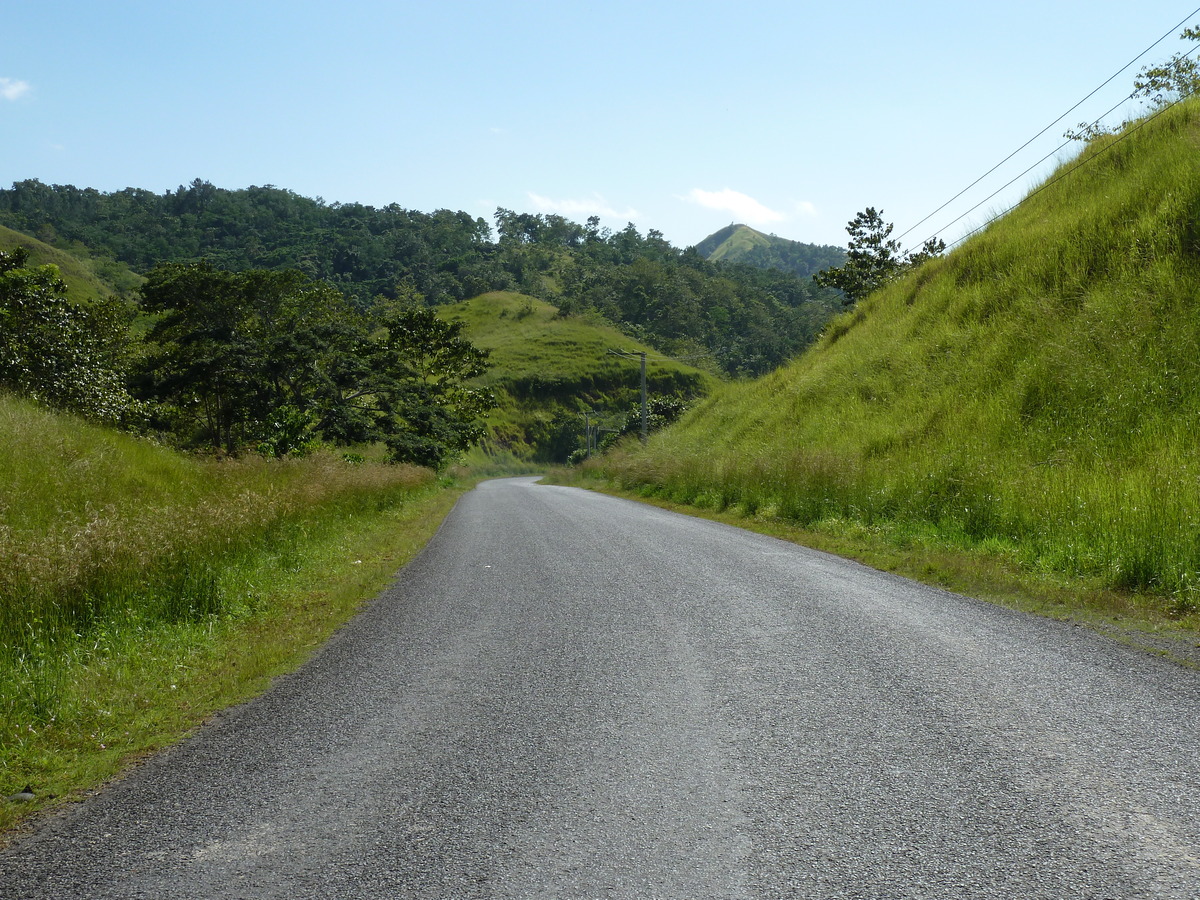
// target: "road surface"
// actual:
[[569, 695]]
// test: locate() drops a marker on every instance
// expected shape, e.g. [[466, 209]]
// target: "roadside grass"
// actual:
[[140, 591], [1027, 402], [988, 570]]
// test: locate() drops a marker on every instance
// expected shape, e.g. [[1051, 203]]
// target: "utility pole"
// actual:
[[645, 417], [627, 354]]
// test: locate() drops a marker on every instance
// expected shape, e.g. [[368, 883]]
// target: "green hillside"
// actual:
[[749, 319], [87, 278], [548, 369], [732, 240], [742, 244], [1034, 394]]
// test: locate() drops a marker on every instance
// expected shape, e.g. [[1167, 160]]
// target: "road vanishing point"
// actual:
[[568, 695]]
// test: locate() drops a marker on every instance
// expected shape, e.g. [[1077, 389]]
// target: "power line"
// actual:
[[1053, 152], [1167, 34], [1078, 165]]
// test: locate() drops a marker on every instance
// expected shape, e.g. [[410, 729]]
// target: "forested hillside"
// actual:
[[747, 320], [742, 244], [1034, 393]]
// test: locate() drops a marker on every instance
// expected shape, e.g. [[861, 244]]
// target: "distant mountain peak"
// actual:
[[739, 243]]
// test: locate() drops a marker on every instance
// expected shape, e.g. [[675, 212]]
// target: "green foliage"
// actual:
[[1173, 80], [874, 258], [242, 359], [55, 351], [1036, 389], [423, 373], [276, 361], [748, 320]]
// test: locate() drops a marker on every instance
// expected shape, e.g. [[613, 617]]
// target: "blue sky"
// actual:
[[680, 117]]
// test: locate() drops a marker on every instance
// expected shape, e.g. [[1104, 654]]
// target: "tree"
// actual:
[[873, 257], [1177, 78], [52, 350], [203, 368], [275, 361], [426, 407]]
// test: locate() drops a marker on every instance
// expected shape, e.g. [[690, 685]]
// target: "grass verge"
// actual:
[[997, 574], [108, 654]]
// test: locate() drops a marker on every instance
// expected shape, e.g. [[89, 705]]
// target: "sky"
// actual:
[[680, 117]]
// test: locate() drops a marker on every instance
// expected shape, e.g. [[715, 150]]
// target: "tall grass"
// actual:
[[1038, 389], [109, 543]]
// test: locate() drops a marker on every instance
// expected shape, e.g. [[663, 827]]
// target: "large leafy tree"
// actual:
[[67, 355], [277, 361], [421, 397], [198, 370]]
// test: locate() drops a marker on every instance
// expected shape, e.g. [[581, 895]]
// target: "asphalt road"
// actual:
[[573, 696]]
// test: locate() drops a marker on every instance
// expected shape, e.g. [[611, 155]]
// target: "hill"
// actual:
[[742, 244], [547, 370], [1033, 394], [747, 319], [87, 278]]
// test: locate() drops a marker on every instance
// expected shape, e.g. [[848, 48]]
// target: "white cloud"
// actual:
[[575, 209], [805, 208], [745, 209], [11, 89]]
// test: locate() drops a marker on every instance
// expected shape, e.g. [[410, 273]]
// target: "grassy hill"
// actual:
[[742, 244], [1034, 394], [87, 277], [547, 370]]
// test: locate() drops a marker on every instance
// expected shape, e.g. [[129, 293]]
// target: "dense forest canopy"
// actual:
[[745, 319]]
